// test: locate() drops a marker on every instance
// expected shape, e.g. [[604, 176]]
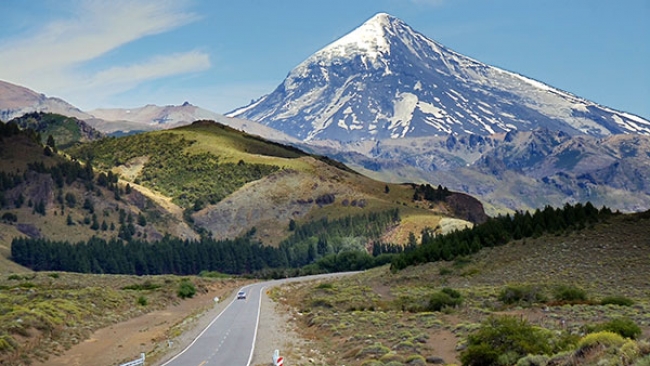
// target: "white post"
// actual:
[[276, 355]]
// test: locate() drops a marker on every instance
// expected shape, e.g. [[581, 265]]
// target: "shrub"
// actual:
[[624, 327], [570, 293], [186, 290], [533, 360], [604, 338], [645, 361], [376, 349], [391, 357], [505, 337], [10, 217], [617, 300], [142, 301], [445, 298], [524, 293], [325, 286], [146, 285], [213, 274]]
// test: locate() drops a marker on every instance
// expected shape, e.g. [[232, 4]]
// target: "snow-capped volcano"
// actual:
[[385, 80]]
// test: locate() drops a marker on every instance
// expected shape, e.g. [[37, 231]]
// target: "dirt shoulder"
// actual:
[[160, 334], [164, 333]]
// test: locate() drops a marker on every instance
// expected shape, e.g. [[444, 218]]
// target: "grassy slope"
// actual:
[[43, 314], [344, 318], [271, 196], [16, 153]]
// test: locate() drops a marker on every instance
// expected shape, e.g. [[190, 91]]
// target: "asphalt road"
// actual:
[[230, 337], [229, 340]]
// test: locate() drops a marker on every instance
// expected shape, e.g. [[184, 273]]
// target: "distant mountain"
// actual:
[[398, 106], [515, 170], [16, 101], [384, 80], [153, 117]]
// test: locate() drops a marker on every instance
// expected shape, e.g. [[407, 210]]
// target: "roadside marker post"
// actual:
[[277, 359]]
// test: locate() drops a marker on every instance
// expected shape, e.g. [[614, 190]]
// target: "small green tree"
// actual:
[[50, 142], [70, 200], [142, 221]]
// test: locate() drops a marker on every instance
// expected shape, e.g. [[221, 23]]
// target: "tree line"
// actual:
[[499, 231], [238, 256]]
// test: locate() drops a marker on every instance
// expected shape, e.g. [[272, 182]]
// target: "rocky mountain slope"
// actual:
[[385, 80], [515, 170], [399, 106], [15, 101]]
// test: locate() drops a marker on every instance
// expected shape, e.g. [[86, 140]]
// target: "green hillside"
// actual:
[[65, 131], [209, 182]]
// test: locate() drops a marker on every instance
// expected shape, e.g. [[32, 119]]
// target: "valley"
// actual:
[[481, 217]]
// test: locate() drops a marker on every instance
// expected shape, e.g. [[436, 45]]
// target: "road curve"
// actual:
[[230, 338]]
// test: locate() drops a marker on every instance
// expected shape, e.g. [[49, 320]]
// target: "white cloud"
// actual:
[[51, 59], [118, 79]]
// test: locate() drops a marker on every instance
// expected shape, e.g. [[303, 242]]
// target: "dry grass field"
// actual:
[[380, 318]]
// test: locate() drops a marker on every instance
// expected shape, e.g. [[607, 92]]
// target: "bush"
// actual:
[[377, 349], [509, 336], [624, 327], [10, 217], [213, 274], [142, 301], [145, 286], [605, 338], [524, 293], [617, 300], [445, 298], [533, 360], [325, 286], [186, 290], [570, 293]]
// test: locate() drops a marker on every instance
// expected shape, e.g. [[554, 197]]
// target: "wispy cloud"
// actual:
[[53, 57]]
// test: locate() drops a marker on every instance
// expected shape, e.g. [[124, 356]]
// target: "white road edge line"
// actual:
[[257, 325], [206, 328]]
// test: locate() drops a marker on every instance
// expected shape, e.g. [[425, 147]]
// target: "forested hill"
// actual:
[[201, 182], [58, 130]]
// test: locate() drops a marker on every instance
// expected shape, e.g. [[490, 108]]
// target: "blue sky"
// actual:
[[221, 54]]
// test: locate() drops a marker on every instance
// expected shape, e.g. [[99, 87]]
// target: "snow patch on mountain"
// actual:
[[384, 80]]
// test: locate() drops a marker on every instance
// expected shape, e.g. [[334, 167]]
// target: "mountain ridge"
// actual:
[[385, 80]]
